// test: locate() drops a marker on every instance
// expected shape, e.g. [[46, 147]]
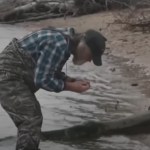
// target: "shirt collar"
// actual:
[[68, 33]]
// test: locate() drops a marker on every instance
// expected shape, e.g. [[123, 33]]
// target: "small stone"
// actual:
[[123, 40], [134, 84], [106, 110], [100, 29], [113, 69], [132, 52], [117, 105]]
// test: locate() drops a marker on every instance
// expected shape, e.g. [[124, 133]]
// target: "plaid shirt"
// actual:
[[50, 50]]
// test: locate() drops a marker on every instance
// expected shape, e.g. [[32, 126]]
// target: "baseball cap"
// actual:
[[96, 42]]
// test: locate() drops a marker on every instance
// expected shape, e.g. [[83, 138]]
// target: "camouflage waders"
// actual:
[[17, 95]]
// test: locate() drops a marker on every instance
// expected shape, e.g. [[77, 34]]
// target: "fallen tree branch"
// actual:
[[20, 9], [133, 125], [35, 9], [136, 124]]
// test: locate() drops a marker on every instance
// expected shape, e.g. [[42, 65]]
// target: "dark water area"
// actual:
[[111, 97]]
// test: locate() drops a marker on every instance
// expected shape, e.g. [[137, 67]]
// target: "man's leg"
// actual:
[[21, 105]]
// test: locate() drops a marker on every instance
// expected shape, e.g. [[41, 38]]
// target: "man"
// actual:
[[36, 61]]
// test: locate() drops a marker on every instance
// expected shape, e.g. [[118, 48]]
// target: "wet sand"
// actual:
[[111, 96], [120, 42]]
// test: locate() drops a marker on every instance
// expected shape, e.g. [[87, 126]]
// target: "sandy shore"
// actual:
[[122, 43]]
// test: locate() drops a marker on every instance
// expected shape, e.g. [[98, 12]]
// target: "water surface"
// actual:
[[111, 96]]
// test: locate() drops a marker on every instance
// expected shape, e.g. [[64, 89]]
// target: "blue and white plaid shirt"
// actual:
[[50, 51]]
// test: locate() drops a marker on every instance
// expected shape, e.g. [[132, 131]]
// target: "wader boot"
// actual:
[[17, 97]]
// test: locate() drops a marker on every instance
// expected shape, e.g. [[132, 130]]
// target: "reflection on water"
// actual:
[[110, 97]]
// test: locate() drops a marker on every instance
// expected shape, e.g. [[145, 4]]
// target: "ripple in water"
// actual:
[[110, 97]]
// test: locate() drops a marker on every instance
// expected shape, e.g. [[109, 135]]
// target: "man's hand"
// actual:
[[77, 86], [70, 79]]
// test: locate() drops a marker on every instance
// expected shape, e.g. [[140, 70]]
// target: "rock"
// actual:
[[134, 84], [112, 69], [117, 105]]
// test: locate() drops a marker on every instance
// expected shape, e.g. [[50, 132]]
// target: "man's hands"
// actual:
[[78, 86]]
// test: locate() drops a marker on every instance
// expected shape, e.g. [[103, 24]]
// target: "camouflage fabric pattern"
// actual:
[[17, 95]]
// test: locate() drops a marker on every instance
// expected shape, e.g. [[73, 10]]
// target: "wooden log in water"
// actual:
[[68, 7], [19, 13], [136, 124]]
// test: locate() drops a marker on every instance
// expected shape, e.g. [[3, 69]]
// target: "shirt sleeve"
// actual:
[[61, 75], [50, 59]]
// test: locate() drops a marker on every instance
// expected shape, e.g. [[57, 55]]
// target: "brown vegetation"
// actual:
[[135, 19]]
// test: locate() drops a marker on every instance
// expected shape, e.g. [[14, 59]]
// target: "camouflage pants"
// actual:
[[17, 95]]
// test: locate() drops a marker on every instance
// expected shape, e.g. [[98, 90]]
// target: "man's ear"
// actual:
[[79, 36]]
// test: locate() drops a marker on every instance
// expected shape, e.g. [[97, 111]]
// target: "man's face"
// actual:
[[82, 54]]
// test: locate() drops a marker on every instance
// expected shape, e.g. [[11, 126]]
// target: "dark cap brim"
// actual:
[[97, 60]]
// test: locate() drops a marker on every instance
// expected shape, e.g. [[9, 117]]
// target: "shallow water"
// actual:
[[67, 109]]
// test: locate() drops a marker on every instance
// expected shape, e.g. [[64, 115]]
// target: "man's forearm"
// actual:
[[77, 86], [68, 86]]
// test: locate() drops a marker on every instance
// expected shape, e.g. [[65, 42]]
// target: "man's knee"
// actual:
[[30, 123]]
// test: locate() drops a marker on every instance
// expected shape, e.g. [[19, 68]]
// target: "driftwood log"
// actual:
[[19, 10], [35, 11], [136, 124]]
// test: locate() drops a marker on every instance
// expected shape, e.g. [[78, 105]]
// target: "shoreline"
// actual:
[[121, 43], [131, 48]]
